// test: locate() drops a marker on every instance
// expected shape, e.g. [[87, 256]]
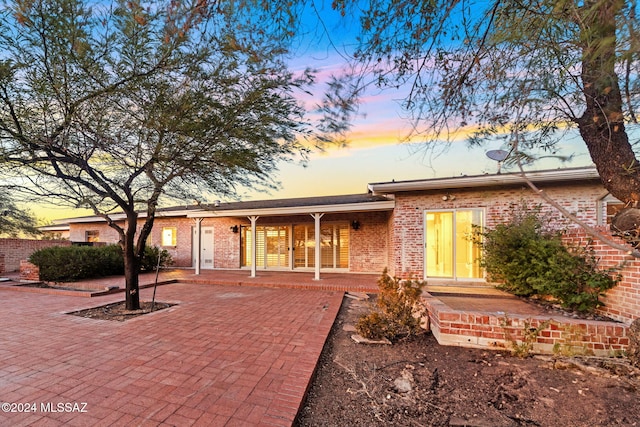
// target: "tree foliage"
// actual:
[[13, 220], [115, 106], [526, 71]]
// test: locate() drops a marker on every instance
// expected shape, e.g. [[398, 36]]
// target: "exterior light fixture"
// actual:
[[234, 228], [355, 224]]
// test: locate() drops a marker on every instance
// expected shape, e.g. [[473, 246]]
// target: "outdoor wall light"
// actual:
[[355, 224], [234, 228], [448, 197]]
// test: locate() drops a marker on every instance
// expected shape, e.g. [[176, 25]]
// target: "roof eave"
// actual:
[[560, 175], [298, 210]]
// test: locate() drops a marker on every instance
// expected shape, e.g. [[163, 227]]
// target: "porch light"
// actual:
[[234, 228], [355, 224]]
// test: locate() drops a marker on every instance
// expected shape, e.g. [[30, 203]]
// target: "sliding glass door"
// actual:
[[273, 244], [449, 249]]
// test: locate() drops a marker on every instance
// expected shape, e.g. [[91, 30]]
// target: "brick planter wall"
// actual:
[[29, 271], [497, 332]]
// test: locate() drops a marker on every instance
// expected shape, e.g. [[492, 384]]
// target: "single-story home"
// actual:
[[417, 228]]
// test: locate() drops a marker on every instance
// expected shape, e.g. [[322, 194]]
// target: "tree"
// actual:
[[526, 70], [15, 221], [118, 106]]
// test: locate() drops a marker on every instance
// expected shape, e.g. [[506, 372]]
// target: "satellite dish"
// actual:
[[499, 156]]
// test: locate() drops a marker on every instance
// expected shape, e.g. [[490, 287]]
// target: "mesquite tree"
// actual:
[[116, 105], [532, 69], [15, 221]]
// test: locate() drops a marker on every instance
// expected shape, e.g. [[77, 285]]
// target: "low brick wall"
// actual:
[[2, 270], [497, 332], [29, 271], [16, 250]]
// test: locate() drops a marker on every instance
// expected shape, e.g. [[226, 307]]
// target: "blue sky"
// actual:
[[375, 152]]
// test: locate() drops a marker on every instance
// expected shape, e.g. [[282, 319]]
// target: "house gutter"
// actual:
[[496, 180]]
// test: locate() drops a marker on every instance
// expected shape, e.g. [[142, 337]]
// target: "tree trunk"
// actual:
[[132, 263], [602, 123]]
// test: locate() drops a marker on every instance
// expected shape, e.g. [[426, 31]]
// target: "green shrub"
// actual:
[[528, 259], [150, 258], [73, 263], [398, 311]]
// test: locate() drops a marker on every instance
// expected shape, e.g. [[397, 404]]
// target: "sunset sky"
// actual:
[[374, 153]]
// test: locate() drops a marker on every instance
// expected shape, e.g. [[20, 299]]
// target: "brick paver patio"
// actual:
[[224, 356]]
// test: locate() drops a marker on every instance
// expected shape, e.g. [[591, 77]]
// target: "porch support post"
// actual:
[[254, 256], [198, 243], [317, 217]]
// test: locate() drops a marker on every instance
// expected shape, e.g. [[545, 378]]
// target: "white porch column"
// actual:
[[254, 257], [198, 243], [317, 217]]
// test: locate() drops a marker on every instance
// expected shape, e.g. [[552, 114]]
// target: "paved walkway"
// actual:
[[274, 279], [224, 356]]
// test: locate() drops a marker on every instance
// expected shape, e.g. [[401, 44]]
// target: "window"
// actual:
[[334, 245], [449, 249], [272, 246], [92, 236], [609, 207], [169, 236]]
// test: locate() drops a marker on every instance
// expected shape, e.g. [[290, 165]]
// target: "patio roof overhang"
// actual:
[[386, 205]]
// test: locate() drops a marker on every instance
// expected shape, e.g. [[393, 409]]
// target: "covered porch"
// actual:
[[321, 235]]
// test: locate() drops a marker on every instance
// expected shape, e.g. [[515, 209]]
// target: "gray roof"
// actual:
[[296, 202]]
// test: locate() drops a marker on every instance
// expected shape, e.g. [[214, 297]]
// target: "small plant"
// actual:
[[150, 258], [398, 311], [524, 347], [571, 345]]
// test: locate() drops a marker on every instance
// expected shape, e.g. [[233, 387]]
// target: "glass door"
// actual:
[[449, 248], [272, 246]]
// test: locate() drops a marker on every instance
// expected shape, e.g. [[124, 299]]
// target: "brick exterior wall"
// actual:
[[407, 222], [2, 268], [16, 250], [367, 252], [623, 301]]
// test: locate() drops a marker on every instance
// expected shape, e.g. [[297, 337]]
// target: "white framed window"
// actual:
[[169, 236], [92, 236], [609, 206]]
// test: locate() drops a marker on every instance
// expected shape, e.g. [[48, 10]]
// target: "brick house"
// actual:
[[415, 228]]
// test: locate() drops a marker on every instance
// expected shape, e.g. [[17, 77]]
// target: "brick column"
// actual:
[[29, 271]]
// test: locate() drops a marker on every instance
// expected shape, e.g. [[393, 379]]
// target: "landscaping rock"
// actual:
[[362, 340], [360, 296], [404, 383]]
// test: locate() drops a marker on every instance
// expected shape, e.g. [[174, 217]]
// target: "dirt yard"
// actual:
[[417, 382]]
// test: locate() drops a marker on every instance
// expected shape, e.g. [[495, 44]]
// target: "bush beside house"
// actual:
[[73, 263], [529, 259]]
